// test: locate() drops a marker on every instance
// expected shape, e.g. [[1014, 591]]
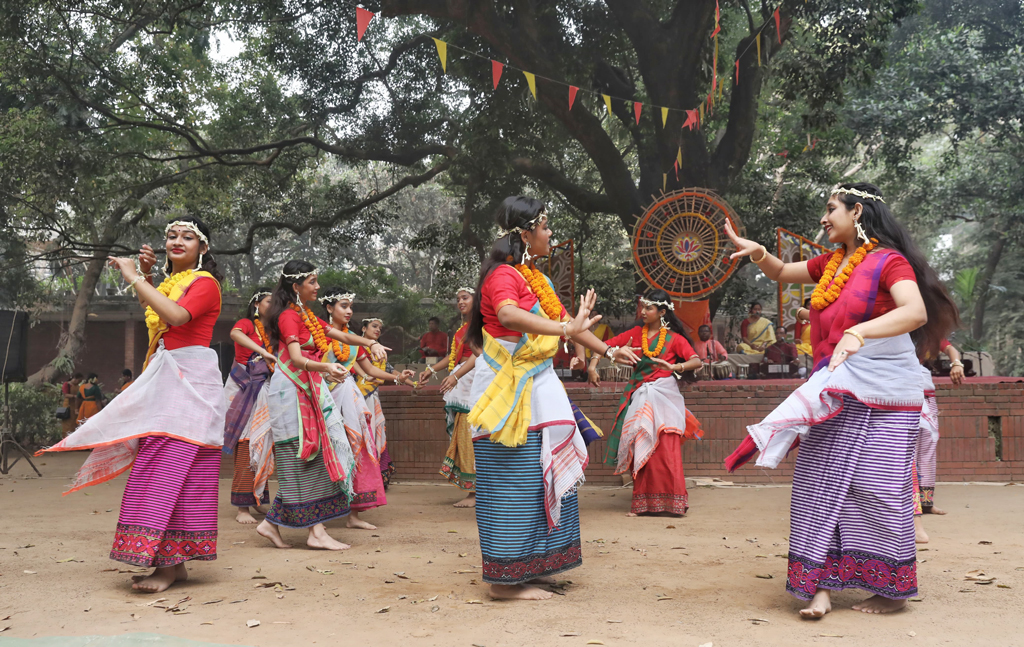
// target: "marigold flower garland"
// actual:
[[153, 320], [262, 332], [451, 354], [540, 287], [645, 342], [341, 352], [825, 294], [314, 328]]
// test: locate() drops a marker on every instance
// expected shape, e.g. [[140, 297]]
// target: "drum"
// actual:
[[721, 370], [706, 372]]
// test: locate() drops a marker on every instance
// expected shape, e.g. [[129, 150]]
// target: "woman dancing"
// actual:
[[372, 373], [312, 454], [168, 425], [529, 453], [253, 361], [459, 464], [852, 510], [368, 482], [653, 422]]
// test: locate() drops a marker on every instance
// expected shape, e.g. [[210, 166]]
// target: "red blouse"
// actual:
[[202, 300], [291, 328], [242, 354], [676, 350], [896, 269], [505, 285], [459, 339]]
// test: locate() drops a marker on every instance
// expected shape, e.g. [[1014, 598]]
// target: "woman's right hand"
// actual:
[[336, 372], [267, 355], [448, 383], [583, 321], [625, 355], [744, 247], [593, 377], [425, 376]]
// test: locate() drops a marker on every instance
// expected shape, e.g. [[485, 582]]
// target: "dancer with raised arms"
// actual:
[[249, 376], [459, 462], [312, 455], [529, 454], [857, 418], [652, 421], [168, 426]]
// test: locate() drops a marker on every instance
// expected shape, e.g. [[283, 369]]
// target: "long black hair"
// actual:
[[209, 262], [674, 323], [331, 296], [879, 223], [250, 310], [283, 296], [515, 211]]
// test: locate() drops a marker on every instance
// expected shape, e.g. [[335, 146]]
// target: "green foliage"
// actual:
[[32, 410]]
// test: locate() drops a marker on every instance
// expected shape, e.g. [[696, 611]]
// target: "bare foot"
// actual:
[[161, 579], [518, 592], [355, 522], [878, 604], [921, 536], [243, 516], [273, 533], [468, 502], [260, 509], [318, 538], [820, 604], [550, 581], [632, 514], [933, 510]]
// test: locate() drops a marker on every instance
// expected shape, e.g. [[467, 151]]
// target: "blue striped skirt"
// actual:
[[852, 509], [306, 495], [512, 520]]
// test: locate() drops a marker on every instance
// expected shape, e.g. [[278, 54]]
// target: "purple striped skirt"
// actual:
[[169, 509], [852, 511]]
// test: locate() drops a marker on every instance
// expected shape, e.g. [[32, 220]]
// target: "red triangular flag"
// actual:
[[718, 28], [784, 154], [737, 72], [718, 13], [691, 119], [363, 18], [496, 69], [778, 25], [675, 163], [572, 95], [637, 107]]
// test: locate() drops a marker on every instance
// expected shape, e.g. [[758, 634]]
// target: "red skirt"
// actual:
[[660, 485]]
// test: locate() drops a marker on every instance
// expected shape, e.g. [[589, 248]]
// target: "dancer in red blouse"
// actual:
[[652, 422]]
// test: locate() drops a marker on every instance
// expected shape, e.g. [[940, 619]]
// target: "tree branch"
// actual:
[[576, 195]]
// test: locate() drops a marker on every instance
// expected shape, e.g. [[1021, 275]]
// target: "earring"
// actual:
[[199, 266], [298, 301], [664, 323], [861, 234], [526, 254], [167, 266]]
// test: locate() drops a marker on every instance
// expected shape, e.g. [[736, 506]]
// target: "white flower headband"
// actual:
[[335, 298], [469, 291], [666, 304], [191, 226], [372, 319], [836, 190], [259, 295], [528, 227], [301, 275]]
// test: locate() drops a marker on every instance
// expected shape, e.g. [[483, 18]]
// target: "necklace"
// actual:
[[451, 354], [646, 342], [341, 353], [825, 294], [539, 286], [153, 320], [265, 339], [314, 328]]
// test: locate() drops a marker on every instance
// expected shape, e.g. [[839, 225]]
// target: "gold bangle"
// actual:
[[764, 255], [860, 337]]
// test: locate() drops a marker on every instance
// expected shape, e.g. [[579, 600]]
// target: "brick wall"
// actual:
[[971, 418]]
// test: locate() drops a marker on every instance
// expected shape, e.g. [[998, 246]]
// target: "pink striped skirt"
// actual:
[[169, 509]]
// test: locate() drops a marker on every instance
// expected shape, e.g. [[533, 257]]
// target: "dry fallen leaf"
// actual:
[[213, 602], [615, 622], [29, 572], [402, 575], [569, 635], [766, 576], [985, 542], [384, 610], [432, 599], [205, 623], [911, 633], [594, 642], [252, 623], [1003, 586], [474, 601], [453, 531], [670, 527], [463, 554], [69, 559], [435, 609]]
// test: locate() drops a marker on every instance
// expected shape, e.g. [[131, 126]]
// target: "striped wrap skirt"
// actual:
[[852, 508]]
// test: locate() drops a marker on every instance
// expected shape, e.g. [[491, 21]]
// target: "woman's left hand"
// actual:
[[575, 363], [956, 375], [848, 345], [448, 383], [671, 368]]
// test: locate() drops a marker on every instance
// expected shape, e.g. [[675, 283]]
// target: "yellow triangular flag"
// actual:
[[664, 181], [442, 51], [531, 80], [664, 117], [679, 156], [759, 50], [702, 112], [608, 103]]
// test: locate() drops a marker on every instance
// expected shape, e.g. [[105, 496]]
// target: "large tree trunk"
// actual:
[[982, 288]]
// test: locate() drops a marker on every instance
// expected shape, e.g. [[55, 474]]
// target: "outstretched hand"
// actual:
[[744, 247], [378, 351], [124, 265], [583, 321]]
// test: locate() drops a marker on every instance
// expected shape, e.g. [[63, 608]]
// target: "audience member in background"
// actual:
[[434, 342], [92, 398], [72, 400], [802, 329], [712, 353], [781, 352], [125, 381], [756, 331]]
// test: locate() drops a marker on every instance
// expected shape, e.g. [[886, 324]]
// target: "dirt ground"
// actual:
[[716, 576]]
